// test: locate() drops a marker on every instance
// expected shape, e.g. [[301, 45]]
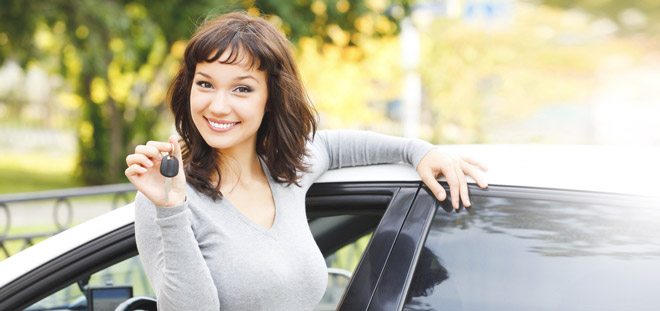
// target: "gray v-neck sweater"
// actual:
[[206, 255]]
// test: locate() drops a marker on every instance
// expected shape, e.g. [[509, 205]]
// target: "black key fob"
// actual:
[[169, 167]]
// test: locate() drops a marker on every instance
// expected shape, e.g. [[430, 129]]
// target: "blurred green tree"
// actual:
[[118, 56]]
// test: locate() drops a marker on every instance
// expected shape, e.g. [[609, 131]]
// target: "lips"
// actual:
[[221, 125]]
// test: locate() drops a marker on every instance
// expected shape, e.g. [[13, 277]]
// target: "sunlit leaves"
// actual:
[[343, 6], [72, 63], [318, 7], [82, 32], [98, 91], [86, 133], [344, 84], [69, 100], [43, 37]]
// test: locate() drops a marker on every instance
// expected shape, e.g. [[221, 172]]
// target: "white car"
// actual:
[[559, 228]]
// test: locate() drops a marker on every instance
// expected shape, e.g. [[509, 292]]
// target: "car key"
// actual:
[[169, 167]]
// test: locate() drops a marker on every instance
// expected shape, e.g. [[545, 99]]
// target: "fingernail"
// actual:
[[143, 170], [160, 156], [149, 163], [439, 196]]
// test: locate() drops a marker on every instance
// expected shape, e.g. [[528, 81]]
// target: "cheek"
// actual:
[[197, 103]]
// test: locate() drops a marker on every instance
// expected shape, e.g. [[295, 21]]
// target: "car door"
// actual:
[[523, 248], [339, 213]]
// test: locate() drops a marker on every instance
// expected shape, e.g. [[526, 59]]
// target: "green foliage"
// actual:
[[117, 56]]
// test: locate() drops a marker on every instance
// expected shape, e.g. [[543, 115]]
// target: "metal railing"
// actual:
[[62, 199]]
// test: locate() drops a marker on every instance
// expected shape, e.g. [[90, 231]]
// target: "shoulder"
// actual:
[[318, 141], [316, 148]]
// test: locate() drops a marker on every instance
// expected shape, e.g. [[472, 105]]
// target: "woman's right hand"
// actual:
[[144, 172]]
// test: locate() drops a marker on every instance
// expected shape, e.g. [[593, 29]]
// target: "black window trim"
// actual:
[[412, 236], [363, 284]]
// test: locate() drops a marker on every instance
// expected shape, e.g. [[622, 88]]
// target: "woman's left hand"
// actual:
[[454, 167]]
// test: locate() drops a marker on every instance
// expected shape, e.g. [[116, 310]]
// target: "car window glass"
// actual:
[[524, 254], [341, 265], [127, 272]]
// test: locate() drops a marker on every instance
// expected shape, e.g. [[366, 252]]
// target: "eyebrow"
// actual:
[[237, 78]]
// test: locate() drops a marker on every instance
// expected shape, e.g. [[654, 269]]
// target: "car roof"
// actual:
[[629, 170], [613, 169]]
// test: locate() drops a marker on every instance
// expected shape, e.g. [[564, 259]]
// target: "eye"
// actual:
[[243, 89], [204, 84]]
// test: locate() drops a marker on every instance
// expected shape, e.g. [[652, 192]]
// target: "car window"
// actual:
[[130, 272], [127, 272], [341, 265], [531, 254]]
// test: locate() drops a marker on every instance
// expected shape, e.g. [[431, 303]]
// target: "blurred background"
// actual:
[[83, 82]]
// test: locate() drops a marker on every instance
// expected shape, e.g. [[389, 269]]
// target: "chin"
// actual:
[[220, 143]]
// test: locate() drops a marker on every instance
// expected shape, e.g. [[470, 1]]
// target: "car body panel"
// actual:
[[613, 169]]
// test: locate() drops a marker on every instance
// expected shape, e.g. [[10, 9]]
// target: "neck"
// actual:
[[240, 165]]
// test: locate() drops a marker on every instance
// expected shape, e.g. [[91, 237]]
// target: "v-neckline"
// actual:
[[268, 231]]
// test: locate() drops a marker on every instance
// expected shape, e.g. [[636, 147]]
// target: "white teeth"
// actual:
[[221, 125]]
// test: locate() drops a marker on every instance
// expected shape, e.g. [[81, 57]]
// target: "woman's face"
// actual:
[[227, 104]]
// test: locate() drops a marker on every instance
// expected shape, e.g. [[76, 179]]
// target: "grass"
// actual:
[[39, 171], [34, 171]]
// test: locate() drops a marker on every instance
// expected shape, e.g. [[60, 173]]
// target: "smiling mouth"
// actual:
[[222, 126]]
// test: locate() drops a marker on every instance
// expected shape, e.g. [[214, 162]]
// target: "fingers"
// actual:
[[478, 177], [455, 169], [435, 187], [174, 143], [154, 149], [134, 170], [454, 187], [160, 146], [462, 184], [139, 159], [475, 162], [146, 156], [137, 164], [150, 150]]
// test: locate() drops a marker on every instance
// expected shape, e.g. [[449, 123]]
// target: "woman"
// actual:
[[233, 234]]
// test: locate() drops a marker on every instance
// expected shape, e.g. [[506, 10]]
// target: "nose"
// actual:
[[220, 104]]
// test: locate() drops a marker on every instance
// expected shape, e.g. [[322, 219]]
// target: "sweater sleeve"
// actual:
[[171, 257], [341, 148]]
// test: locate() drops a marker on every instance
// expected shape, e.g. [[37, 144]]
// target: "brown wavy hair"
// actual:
[[290, 120]]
